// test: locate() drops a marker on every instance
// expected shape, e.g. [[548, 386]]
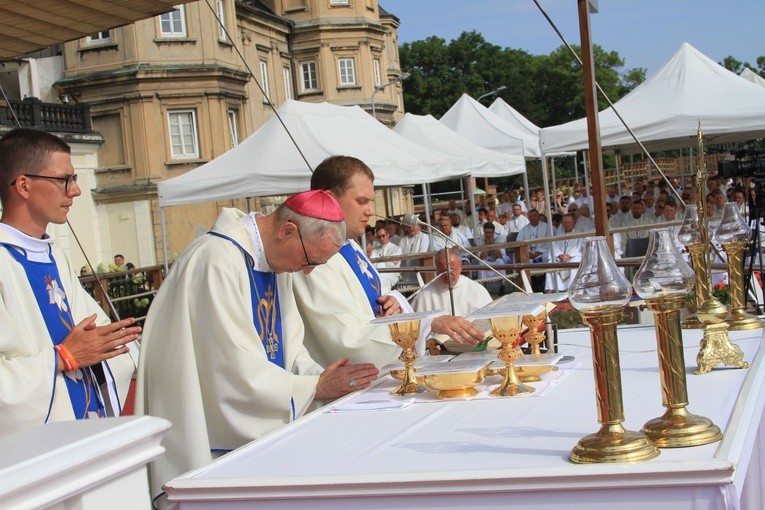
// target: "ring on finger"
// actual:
[[353, 384]]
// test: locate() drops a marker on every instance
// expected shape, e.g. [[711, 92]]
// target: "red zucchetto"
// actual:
[[316, 204]]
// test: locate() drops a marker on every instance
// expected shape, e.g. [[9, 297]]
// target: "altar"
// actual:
[[499, 452]]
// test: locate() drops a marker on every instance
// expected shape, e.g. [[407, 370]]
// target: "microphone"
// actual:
[[411, 219]]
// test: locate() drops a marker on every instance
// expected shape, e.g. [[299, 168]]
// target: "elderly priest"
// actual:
[[223, 356]]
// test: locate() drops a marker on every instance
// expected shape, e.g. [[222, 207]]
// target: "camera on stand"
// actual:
[[749, 163]]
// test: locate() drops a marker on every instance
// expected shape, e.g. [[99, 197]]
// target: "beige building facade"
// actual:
[[173, 92]]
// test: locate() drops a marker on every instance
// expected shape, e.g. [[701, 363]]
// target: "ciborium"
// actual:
[[600, 291], [405, 335], [534, 337], [734, 234], [507, 331], [664, 280]]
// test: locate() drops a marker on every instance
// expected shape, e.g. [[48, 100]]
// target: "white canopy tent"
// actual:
[[267, 162], [524, 128], [475, 122], [664, 111], [750, 75], [427, 131]]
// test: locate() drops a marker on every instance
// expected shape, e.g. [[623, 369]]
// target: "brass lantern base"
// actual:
[[678, 428], [613, 444], [692, 322], [739, 320], [716, 349], [511, 385]]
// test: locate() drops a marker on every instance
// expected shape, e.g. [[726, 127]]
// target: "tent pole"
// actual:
[[546, 185], [426, 199], [526, 186], [164, 237], [586, 177], [554, 186], [473, 213], [618, 173]]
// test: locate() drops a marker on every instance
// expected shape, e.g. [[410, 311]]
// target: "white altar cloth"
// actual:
[[501, 452]]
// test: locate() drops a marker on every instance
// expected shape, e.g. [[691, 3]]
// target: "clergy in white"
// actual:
[[222, 355], [468, 295], [60, 358], [338, 299], [414, 241], [538, 252], [384, 250], [565, 250]]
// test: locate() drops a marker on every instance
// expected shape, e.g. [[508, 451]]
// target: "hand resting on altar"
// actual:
[[341, 378]]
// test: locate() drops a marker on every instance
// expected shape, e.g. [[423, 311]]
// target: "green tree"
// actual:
[[736, 66], [547, 89]]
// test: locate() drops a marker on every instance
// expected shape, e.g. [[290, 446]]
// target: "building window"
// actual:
[[233, 122], [347, 71], [100, 37], [221, 8], [173, 23], [264, 81], [183, 134], [287, 82], [308, 74], [378, 74]]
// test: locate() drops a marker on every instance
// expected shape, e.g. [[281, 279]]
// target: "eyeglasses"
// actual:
[[68, 180], [307, 260]]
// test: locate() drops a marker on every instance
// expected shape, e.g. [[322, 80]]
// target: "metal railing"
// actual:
[[131, 292]]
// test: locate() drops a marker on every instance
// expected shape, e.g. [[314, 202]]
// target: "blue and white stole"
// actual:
[[365, 273], [266, 311], [45, 282]]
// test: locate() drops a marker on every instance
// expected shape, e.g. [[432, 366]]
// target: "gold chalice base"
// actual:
[[453, 384], [612, 443], [409, 388], [678, 428], [739, 320], [526, 373], [398, 373]]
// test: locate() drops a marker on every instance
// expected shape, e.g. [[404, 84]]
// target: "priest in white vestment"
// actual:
[[468, 295], [60, 357], [339, 298], [565, 250], [222, 355], [414, 241], [384, 250]]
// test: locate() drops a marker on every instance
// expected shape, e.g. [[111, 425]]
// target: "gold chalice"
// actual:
[[405, 335], [507, 330], [534, 337]]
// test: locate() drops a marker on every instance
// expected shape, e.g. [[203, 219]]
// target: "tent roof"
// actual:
[[475, 122], [267, 162], [30, 26], [750, 75], [525, 128], [426, 130], [664, 111]]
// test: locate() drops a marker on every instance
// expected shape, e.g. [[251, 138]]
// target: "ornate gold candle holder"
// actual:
[[507, 330], [676, 427], [534, 337], [600, 291], [734, 234], [405, 335], [612, 443]]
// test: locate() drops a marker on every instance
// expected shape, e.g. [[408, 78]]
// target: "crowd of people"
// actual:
[[262, 318]]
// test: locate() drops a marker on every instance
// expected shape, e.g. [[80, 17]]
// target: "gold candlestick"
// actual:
[[507, 330], [405, 335], [738, 319], [534, 337], [612, 443], [677, 427]]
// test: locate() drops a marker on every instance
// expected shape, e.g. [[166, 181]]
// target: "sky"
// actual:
[[645, 33]]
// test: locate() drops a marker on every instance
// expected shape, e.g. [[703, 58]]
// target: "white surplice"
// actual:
[[468, 296], [560, 281]]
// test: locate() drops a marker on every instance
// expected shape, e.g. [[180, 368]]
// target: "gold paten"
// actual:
[[677, 427], [405, 335], [738, 319], [612, 443], [507, 330], [454, 384]]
